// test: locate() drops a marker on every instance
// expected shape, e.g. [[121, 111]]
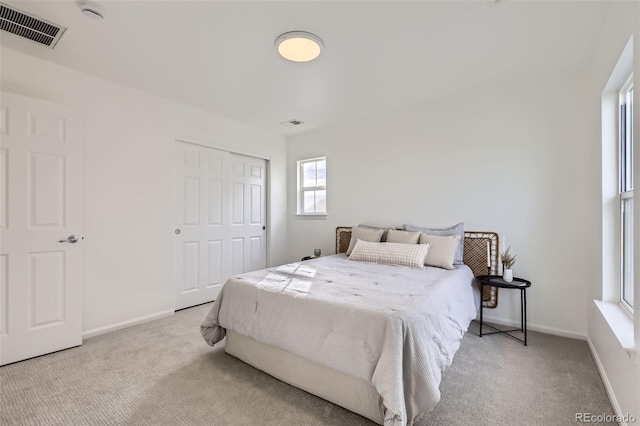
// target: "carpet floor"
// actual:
[[162, 373]]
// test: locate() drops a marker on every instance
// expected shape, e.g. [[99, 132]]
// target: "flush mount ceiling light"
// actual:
[[299, 46]]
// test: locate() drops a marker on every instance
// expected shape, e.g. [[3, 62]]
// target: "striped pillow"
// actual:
[[412, 255]]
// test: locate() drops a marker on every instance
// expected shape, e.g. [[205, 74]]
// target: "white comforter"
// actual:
[[394, 327]]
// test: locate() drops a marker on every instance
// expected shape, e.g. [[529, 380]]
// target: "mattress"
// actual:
[[394, 328]]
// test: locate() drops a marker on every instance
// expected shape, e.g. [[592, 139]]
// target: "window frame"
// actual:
[[625, 189], [301, 188]]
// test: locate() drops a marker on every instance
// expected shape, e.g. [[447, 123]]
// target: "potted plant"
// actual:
[[508, 260]]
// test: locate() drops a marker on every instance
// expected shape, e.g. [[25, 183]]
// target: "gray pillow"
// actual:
[[453, 230], [371, 235]]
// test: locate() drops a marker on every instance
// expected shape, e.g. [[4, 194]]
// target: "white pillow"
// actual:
[[443, 250], [398, 254], [384, 230], [365, 234], [405, 237]]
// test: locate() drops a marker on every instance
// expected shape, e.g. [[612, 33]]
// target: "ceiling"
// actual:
[[378, 57]]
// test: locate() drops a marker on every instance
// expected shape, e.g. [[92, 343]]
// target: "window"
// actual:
[[625, 168], [312, 187]]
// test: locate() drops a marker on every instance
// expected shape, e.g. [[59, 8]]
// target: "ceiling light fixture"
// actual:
[[299, 46]]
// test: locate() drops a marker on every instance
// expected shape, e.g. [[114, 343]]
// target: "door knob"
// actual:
[[70, 239]]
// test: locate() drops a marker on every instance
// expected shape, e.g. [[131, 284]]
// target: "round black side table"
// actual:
[[517, 283]]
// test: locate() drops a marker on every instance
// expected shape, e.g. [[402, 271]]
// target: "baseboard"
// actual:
[[124, 324], [605, 381], [537, 327]]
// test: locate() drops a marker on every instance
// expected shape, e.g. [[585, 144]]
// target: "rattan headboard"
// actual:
[[475, 256]]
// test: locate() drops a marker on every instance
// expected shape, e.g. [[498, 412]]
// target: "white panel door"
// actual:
[[202, 258], [215, 209], [248, 236], [40, 208]]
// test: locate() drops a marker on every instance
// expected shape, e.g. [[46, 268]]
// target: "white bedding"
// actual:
[[394, 327]]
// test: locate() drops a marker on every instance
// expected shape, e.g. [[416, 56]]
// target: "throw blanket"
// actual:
[[394, 327]]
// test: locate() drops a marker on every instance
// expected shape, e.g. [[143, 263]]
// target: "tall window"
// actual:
[[626, 194], [312, 186]]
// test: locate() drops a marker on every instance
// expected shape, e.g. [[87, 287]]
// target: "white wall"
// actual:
[[619, 365], [508, 159], [128, 183]]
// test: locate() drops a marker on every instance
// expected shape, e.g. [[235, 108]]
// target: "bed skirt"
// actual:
[[339, 388]]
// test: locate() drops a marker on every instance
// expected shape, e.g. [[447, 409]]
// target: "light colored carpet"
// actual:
[[162, 373]]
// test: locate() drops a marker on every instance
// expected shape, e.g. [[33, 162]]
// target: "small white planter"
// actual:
[[507, 275]]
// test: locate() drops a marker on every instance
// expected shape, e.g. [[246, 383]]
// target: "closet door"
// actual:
[[248, 242], [220, 213]]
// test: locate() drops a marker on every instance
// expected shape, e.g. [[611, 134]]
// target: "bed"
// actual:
[[371, 338]]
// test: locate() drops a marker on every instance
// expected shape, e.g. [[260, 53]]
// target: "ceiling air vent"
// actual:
[[28, 26], [292, 123]]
